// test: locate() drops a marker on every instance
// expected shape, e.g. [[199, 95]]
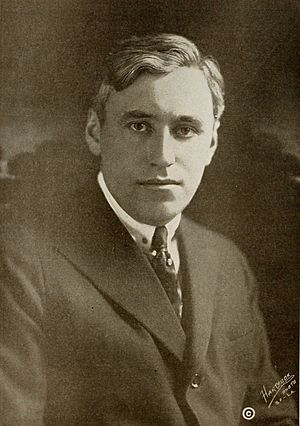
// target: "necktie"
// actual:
[[164, 268]]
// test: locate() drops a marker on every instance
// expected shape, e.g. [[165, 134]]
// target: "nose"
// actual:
[[161, 149]]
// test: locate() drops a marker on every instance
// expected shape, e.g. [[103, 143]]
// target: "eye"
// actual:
[[139, 127], [185, 132]]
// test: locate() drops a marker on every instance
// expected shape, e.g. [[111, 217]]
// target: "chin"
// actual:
[[158, 215]]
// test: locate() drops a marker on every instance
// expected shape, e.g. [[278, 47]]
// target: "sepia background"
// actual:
[[51, 53]]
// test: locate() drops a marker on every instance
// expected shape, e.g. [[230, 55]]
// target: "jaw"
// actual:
[[156, 216], [156, 212]]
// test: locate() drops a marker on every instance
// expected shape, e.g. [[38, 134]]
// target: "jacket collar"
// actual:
[[200, 265], [92, 238]]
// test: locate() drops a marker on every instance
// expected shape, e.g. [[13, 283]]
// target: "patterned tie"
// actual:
[[164, 268]]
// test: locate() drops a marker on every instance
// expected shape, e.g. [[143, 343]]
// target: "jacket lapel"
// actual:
[[95, 241], [200, 268]]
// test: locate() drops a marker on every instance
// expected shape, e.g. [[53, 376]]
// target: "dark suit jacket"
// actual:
[[88, 336]]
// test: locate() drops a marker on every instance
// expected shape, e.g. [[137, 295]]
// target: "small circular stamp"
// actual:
[[248, 413]]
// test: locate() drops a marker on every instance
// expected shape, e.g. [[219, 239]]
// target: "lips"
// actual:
[[159, 182]]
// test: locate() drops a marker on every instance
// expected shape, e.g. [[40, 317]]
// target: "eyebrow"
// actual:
[[190, 119], [135, 113]]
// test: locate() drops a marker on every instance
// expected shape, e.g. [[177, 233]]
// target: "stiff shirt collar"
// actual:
[[140, 232]]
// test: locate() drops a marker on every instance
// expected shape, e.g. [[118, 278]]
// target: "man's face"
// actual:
[[155, 142]]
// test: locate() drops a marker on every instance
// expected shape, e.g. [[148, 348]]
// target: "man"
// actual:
[[120, 311]]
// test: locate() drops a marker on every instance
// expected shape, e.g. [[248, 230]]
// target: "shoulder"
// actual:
[[22, 247], [15, 230], [22, 286]]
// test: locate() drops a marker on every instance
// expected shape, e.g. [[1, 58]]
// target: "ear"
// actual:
[[92, 132], [214, 142]]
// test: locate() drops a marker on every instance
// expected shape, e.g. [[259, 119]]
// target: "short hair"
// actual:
[[155, 54]]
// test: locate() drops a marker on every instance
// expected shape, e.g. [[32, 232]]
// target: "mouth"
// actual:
[[159, 183]]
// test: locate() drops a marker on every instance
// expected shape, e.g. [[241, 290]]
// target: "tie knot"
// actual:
[[159, 240]]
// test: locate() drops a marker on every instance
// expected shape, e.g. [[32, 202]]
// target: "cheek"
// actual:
[[195, 158], [112, 150], [120, 147], [120, 159]]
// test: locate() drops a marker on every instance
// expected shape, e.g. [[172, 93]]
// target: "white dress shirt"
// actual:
[[140, 232]]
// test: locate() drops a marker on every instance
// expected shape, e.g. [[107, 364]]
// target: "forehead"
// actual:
[[183, 92]]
